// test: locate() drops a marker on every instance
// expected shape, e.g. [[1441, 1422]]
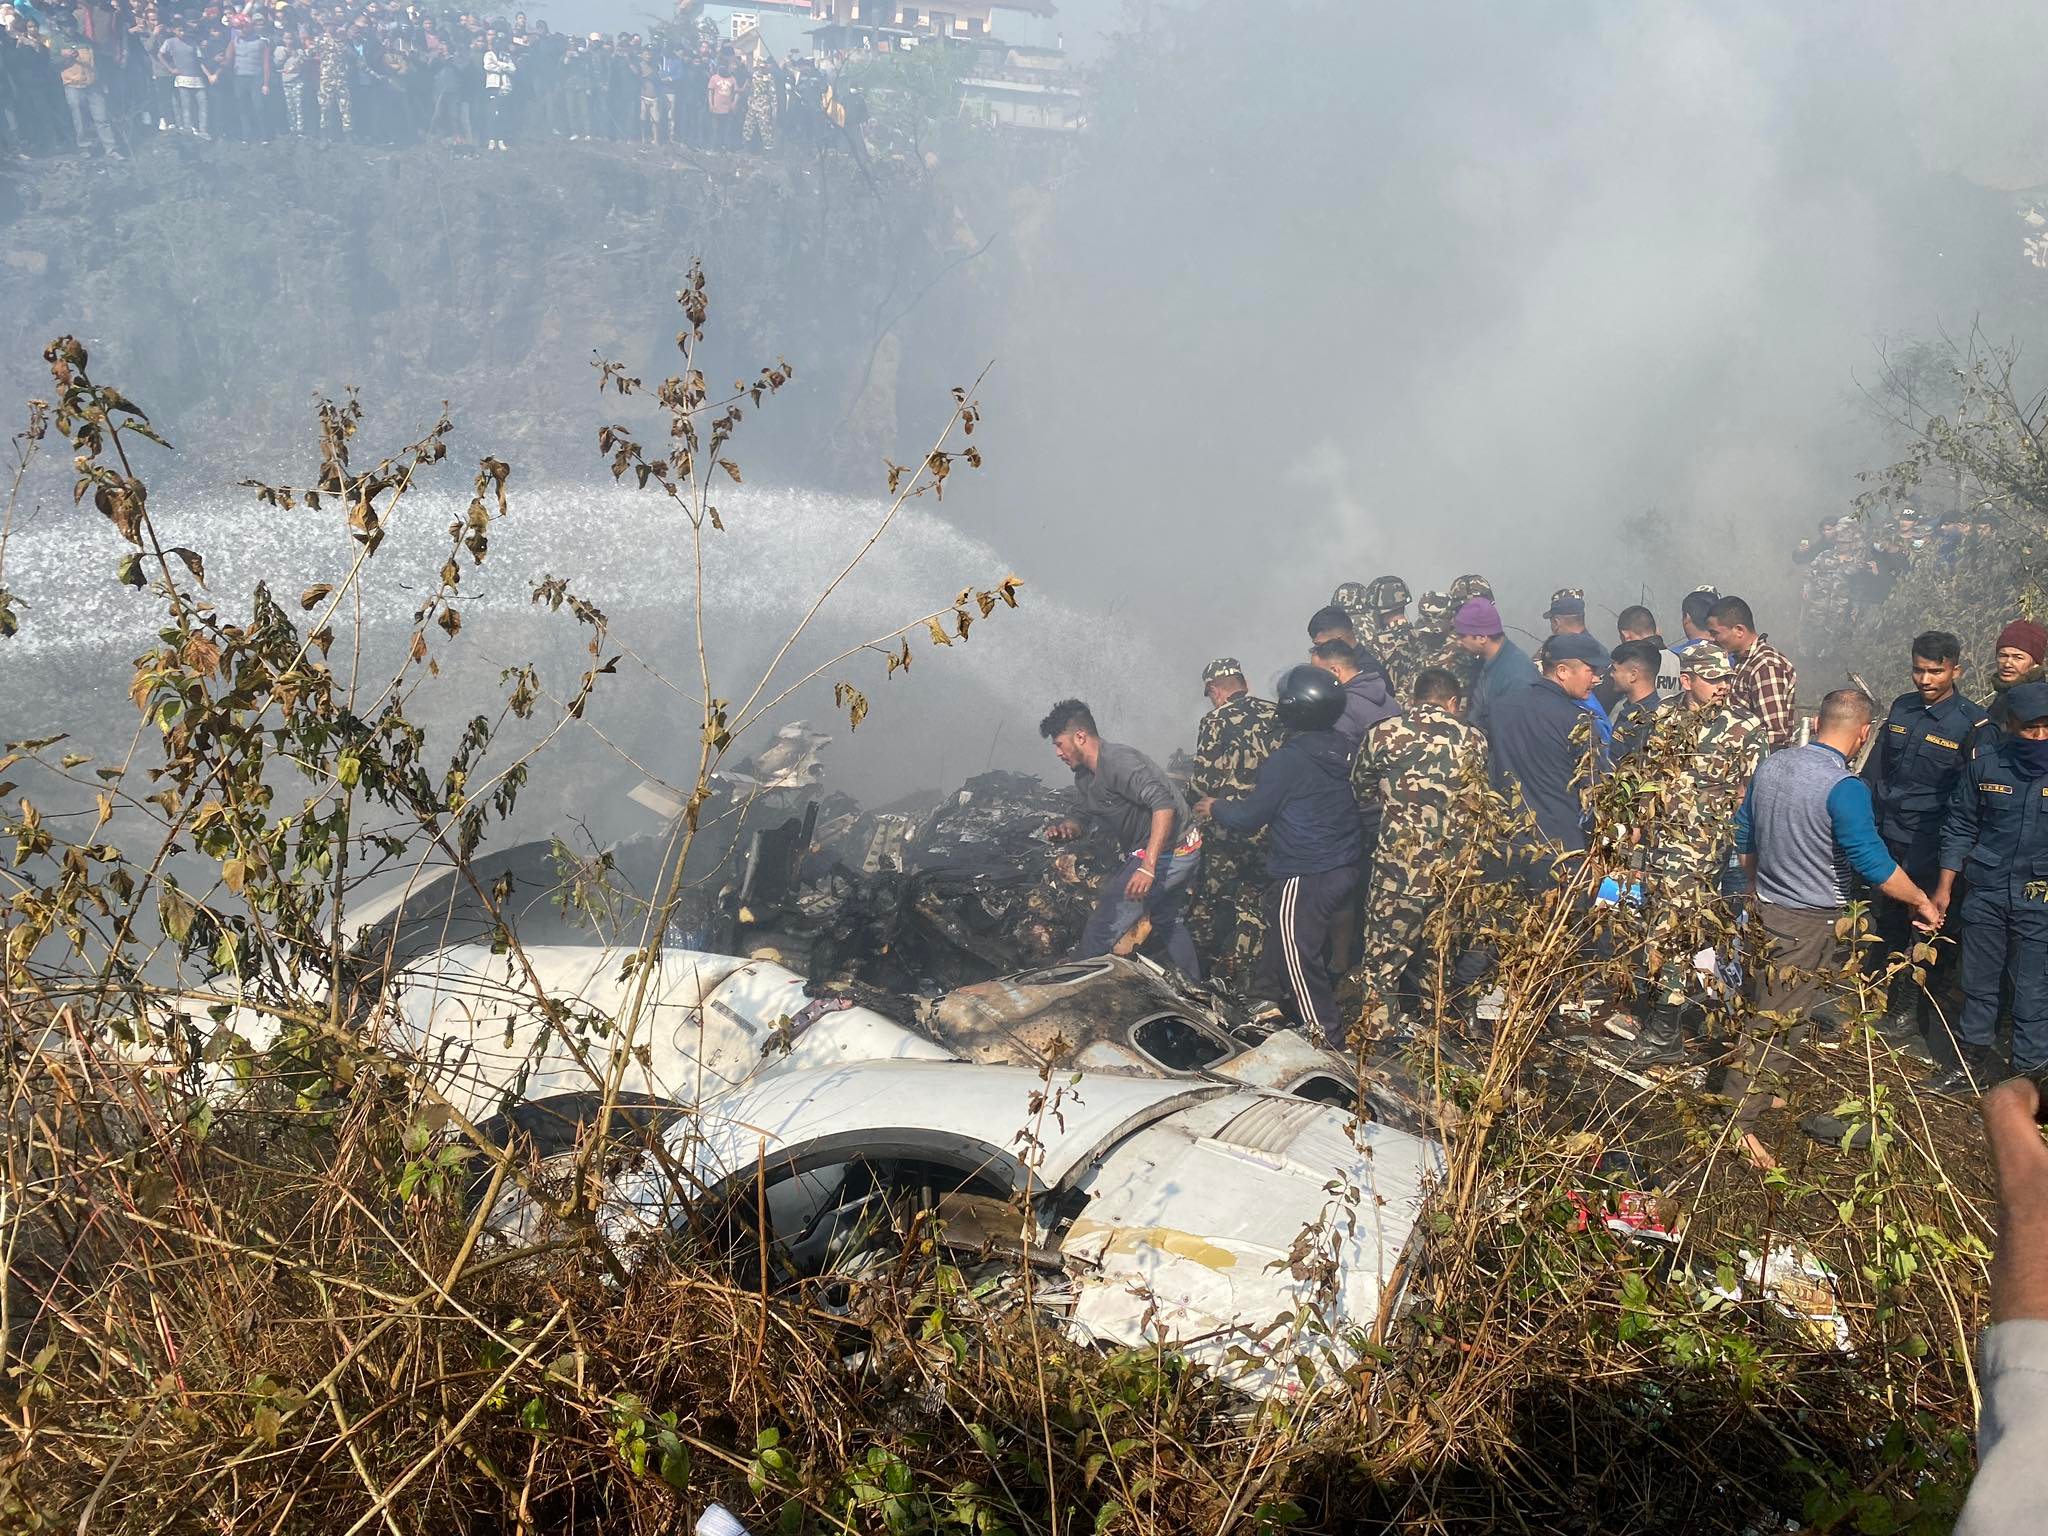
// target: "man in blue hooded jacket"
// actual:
[[1303, 796]]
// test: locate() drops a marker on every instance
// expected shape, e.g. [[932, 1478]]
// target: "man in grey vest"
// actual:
[[1805, 826]]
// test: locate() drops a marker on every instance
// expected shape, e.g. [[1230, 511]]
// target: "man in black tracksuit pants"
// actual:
[[1303, 794]]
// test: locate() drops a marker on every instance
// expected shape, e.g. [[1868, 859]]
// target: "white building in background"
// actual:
[[783, 24], [1027, 88], [895, 23]]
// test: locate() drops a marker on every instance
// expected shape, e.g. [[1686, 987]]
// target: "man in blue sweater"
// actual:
[[1504, 667], [1303, 794], [1805, 827]]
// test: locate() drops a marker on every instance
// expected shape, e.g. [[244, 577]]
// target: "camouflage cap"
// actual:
[[1388, 593], [1467, 587], [1567, 602], [1222, 666], [1435, 605], [1351, 595], [1707, 662]]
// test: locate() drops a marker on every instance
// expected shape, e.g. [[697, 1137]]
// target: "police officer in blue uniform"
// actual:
[[1912, 771], [1995, 836]]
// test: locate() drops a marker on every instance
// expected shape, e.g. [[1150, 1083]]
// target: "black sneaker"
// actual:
[[1966, 1079], [1830, 1130]]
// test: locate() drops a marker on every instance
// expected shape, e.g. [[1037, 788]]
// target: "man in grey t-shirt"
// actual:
[[1121, 791]]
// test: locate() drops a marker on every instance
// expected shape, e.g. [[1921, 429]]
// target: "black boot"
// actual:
[[1661, 1042], [1977, 1071], [1903, 1030]]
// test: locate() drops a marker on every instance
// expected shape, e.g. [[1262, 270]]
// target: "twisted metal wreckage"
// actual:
[[860, 1023]]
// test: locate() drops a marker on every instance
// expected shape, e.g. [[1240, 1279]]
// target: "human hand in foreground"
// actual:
[[2019, 1264]]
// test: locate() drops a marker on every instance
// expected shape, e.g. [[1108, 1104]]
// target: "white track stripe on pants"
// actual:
[[1290, 952]]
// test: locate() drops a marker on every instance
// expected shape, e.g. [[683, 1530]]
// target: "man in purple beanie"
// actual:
[[1504, 667]]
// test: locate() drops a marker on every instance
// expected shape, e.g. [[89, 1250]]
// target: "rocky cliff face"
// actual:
[[224, 286]]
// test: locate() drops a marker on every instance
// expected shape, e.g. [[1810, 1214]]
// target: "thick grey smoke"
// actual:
[[1569, 294], [1574, 294]]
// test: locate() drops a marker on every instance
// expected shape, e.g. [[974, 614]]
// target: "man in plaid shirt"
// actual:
[[1766, 683]]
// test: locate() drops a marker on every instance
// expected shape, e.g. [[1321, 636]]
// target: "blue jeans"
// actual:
[[1164, 903], [90, 101]]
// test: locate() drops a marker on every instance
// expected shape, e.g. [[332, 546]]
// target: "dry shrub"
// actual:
[[249, 1285]]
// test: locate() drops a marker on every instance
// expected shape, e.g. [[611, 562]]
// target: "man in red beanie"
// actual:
[[2022, 645]]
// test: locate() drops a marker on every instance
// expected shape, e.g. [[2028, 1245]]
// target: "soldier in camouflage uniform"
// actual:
[[1412, 766], [1433, 612], [337, 81], [1401, 648], [1239, 733], [1839, 565], [1696, 763], [764, 96], [1354, 598]]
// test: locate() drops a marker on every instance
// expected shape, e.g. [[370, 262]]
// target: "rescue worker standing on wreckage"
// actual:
[[1123, 791], [1303, 796], [1239, 733]]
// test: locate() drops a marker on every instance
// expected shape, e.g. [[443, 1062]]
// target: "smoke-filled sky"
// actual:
[[1570, 294], [1346, 289]]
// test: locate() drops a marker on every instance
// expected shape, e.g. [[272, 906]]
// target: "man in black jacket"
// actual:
[[1540, 738], [1912, 769], [1632, 667], [1994, 837], [1303, 794]]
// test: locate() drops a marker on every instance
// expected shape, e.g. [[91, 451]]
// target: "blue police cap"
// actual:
[[1576, 647], [2027, 701]]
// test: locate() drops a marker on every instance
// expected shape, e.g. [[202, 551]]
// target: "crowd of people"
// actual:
[[1851, 565], [102, 77], [1308, 832]]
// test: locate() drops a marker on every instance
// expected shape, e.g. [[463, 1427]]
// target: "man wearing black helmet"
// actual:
[[1303, 795]]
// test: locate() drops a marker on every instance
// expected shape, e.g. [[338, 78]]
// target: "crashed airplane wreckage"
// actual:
[[1161, 1184], [931, 893], [891, 1052], [1162, 1171]]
